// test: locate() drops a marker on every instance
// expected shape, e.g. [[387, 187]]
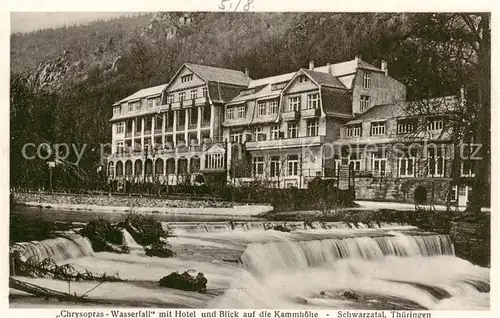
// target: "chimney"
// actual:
[[329, 67], [357, 58], [383, 67], [311, 65], [247, 72]]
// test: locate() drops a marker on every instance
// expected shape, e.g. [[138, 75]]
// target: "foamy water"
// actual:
[[303, 268]]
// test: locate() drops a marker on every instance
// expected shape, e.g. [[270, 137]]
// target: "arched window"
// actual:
[[119, 168], [159, 167]]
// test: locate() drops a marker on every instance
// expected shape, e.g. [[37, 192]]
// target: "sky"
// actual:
[[30, 21]]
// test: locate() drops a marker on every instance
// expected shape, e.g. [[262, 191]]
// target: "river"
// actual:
[[388, 267]]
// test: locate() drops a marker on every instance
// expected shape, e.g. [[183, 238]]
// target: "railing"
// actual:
[[291, 115], [311, 113], [285, 143]]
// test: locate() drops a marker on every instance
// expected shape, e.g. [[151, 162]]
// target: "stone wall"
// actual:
[[401, 189]]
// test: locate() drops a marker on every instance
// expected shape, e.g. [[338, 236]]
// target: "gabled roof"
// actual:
[[221, 75], [145, 92], [347, 67], [324, 79]]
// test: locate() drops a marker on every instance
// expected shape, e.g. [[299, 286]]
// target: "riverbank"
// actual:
[[122, 204]]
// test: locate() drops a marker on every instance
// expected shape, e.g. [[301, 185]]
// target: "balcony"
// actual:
[[285, 143], [147, 132], [201, 100], [128, 134], [311, 113], [158, 131], [291, 115]]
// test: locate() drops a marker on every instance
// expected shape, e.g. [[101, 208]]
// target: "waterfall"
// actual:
[[129, 241], [269, 257], [60, 248]]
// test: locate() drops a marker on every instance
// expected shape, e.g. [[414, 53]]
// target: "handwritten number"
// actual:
[[221, 6], [247, 6]]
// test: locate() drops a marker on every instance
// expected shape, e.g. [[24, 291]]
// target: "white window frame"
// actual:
[[303, 79], [261, 109], [292, 166], [413, 164], [186, 78], [258, 166], [312, 127], [170, 98], [275, 132], [273, 107], [293, 129], [405, 126], [236, 137], [240, 111], [313, 101], [377, 128], [215, 161], [364, 102], [438, 163], [275, 166], [379, 160], [355, 161], [366, 80], [294, 103], [470, 173], [230, 113], [258, 132], [352, 131], [116, 111], [182, 96], [435, 125], [151, 102], [120, 146], [120, 128], [204, 92], [194, 93]]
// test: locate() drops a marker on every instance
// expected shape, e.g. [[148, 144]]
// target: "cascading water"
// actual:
[[59, 249], [399, 272], [129, 241]]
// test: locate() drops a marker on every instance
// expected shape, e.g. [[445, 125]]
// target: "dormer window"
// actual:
[[364, 102], [366, 80], [116, 110], [240, 111], [187, 78], [273, 107], [153, 102], [248, 92], [303, 79], [230, 113], [134, 106], [261, 109], [352, 131], [435, 124], [406, 126], [377, 128]]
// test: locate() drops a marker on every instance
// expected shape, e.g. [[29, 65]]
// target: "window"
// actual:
[[151, 102], [355, 161], [379, 164], [182, 96], [364, 102], [131, 107], [312, 127], [275, 166], [120, 128], [366, 80], [119, 146], [170, 120], [294, 103], [247, 92], [467, 168], [116, 110], [261, 109], [186, 78], [258, 166], [193, 116], [170, 98], [436, 163], [214, 161], [303, 79], [275, 132], [406, 126], [435, 124], [453, 194], [204, 92], [241, 112], [378, 128], [236, 137], [407, 165], [138, 125], [194, 93], [352, 131], [181, 118], [273, 107], [313, 101], [293, 165], [258, 133], [278, 86], [230, 113], [293, 130]]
